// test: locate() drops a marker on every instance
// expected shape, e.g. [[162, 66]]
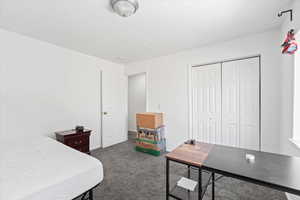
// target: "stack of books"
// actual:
[[150, 133]]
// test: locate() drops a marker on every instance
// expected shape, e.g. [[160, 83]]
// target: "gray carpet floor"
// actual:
[[130, 175]]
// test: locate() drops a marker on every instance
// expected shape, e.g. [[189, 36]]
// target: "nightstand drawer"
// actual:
[[77, 141], [84, 149]]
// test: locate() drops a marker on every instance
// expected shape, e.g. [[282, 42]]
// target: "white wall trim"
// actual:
[[147, 91], [227, 60], [101, 110], [190, 102]]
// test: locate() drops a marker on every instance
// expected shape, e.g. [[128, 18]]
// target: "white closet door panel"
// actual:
[[230, 104], [225, 103], [206, 91], [240, 103], [249, 103]]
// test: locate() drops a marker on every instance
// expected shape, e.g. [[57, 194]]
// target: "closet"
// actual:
[[226, 103]]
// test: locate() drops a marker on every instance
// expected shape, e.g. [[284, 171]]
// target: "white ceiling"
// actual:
[[159, 27]]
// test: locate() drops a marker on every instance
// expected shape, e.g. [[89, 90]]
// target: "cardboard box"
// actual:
[[148, 146], [149, 120]]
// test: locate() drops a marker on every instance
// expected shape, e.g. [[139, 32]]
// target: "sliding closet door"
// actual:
[[206, 103], [230, 104], [240, 103]]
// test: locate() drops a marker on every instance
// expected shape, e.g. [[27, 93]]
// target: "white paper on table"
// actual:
[[187, 184]]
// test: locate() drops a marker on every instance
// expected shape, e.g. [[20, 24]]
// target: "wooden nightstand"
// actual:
[[77, 140]]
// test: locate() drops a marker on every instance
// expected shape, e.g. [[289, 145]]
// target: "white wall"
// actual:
[[136, 98], [45, 88], [1, 102], [167, 83], [296, 95], [288, 66]]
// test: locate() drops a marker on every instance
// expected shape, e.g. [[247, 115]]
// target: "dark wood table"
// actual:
[[275, 171], [192, 156]]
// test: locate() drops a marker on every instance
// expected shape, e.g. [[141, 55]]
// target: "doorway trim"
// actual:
[[101, 109], [146, 91], [190, 94]]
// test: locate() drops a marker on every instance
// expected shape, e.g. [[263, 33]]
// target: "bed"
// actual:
[[44, 169]]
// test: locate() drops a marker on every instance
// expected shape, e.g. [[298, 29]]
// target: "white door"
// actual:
[[240, 103], [225, 103], [206, 100], [230, 104], [114, 102], [249, 104]]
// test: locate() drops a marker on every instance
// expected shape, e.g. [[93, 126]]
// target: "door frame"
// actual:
[[101, 109], [146, 91], [190, 94]]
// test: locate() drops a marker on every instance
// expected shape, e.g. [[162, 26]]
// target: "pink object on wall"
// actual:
[[290, 45]]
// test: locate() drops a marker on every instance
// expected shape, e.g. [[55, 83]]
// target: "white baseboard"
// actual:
[[292, 197]]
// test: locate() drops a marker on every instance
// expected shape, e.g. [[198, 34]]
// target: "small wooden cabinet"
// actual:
[[77, 140]]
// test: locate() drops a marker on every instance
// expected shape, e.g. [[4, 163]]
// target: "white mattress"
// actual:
[[43, 169]]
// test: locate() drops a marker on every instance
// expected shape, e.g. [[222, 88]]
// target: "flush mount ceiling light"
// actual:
[[125, 8]]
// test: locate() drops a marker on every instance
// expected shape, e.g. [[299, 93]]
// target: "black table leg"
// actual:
[[213, 185], [200, 183], [91, 196], [189, 176], [167, 179]]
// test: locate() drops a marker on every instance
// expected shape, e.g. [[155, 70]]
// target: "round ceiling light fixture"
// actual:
[[125, 8]]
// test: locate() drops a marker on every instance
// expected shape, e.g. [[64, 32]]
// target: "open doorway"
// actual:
[[136, 100]]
